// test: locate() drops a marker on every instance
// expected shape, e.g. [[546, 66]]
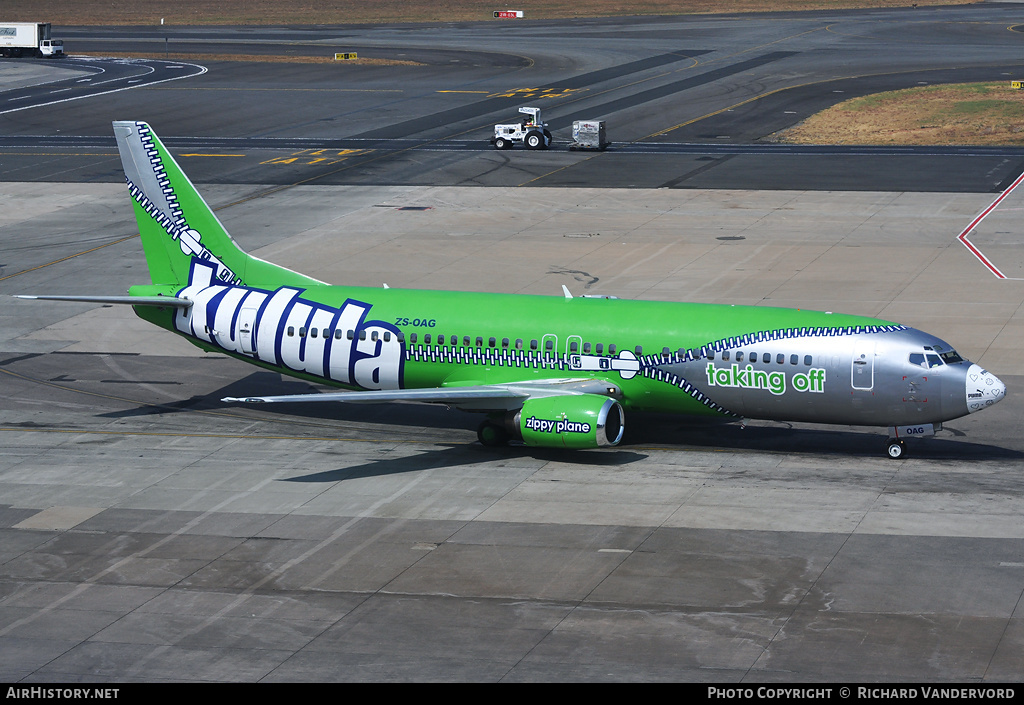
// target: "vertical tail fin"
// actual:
[[177, 225]]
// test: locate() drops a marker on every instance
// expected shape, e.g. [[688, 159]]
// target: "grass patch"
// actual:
[[965, 113]]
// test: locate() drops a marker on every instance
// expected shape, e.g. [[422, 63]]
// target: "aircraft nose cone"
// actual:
[[983, 389]]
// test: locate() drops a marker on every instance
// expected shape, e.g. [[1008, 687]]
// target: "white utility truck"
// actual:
[[529, 131], [19, 39]]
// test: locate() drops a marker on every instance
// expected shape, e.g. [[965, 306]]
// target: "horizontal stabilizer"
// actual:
[[161, 301]]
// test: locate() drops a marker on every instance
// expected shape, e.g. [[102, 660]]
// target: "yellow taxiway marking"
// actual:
[[524, 92], [64, 259], [535, 93], [320, 156]]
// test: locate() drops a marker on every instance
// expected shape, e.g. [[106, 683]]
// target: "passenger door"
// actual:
[[245, 330], [862, 374]]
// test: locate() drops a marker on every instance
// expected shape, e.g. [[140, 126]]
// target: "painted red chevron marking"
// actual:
[[962, 237]]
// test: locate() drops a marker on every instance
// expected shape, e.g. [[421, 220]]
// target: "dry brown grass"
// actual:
[[267, 12], [966, 113]]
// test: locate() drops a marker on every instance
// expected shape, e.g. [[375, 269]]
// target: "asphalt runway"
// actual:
[[149, 532], [721, 82]]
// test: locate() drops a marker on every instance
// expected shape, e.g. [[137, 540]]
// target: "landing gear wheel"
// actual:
[[492, 435], [501, 143], [534, 140], [896, 449]]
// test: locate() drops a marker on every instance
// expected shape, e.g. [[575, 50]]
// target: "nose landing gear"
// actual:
[[896, 448]]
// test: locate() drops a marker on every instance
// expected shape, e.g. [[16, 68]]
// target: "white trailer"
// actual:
[[19, 39], [588, 134]]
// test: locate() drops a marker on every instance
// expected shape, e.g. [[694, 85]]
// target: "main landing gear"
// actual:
[[492, 435]]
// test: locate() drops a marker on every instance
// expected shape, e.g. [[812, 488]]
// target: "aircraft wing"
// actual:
[[488, 396]]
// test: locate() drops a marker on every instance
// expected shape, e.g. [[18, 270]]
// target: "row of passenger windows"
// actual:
[[441, 339], [549, 344], [926, 360], [780, 358], [339, 334]]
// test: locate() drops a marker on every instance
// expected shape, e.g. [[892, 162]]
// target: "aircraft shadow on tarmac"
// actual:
[[271, 383], [453, 455], [664, 431], [782, 437]]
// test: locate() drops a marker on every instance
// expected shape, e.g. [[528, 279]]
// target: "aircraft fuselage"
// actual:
[[705, 359]]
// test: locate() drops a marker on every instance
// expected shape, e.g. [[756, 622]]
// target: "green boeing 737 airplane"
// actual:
[[552, 371]]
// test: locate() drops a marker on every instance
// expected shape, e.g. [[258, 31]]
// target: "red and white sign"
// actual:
[[508, 13]]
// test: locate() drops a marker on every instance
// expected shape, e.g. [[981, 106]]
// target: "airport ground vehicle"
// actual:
[[30, 39], [530, 131]]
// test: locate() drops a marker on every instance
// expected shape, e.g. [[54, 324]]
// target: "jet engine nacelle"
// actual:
[[570, 421]]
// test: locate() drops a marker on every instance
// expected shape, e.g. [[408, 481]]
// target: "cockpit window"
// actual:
[[950, 357], [927, 360]]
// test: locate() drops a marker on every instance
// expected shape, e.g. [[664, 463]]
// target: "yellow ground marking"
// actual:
[[321, 156], [536, 93], [64, 259]]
